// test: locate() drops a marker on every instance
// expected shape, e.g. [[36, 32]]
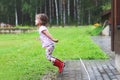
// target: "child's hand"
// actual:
[[55, 40]]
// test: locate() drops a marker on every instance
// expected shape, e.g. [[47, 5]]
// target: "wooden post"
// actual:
[[112, 28], [115, 36]]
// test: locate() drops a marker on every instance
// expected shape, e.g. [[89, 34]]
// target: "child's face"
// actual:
[[37, 21]]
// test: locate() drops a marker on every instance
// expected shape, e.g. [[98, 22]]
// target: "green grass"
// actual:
[[96, 31], [22, 58]]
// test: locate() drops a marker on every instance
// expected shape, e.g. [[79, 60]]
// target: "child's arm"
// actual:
[[49, 35]]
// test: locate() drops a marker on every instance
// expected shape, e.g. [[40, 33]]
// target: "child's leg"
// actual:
[[56, 62], [49, 51]]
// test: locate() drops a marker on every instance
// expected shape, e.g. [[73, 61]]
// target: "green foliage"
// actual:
[[26, 7], [81, 12], [96, 31], [106, 7], [23, 58]]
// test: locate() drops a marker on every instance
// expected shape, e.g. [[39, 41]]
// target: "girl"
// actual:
[[47, 40]]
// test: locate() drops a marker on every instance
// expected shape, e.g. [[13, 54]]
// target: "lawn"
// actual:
[[22, 58]]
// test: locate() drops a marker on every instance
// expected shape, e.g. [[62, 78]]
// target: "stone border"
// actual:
[[15, 30]]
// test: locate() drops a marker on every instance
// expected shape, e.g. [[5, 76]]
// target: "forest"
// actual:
[[60, 12]]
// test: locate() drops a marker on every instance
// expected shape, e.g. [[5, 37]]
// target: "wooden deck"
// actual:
[[94, 69], [97, 70]]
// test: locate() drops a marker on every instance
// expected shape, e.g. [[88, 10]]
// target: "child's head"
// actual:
[[41, 19]]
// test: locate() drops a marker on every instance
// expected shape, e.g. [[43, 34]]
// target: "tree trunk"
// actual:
[[45, 7], [68, 11], [78, 11], [61, 12], [36, 10], [89, 17], [53, 9], [56, 12], [8, 19], [40, 7], [64, 16], [96, 2], [50, 11], [75, 10], [16, 15]]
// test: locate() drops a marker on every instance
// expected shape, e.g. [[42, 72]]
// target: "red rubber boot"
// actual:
[[59, 64]]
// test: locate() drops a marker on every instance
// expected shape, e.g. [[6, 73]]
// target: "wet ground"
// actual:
[[92, 69]]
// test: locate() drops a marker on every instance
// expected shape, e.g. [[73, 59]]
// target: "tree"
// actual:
[[64, 15], [78, 11], [68, 11], [50, 11], [63, 12], [56, 12]]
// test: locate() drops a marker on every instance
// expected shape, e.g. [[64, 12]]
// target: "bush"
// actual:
[[97, 31]]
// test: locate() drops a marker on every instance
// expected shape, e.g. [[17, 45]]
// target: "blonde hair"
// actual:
[[43, 17]]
